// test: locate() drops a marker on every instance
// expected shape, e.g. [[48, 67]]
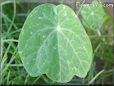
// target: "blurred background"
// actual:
[[14, 13]]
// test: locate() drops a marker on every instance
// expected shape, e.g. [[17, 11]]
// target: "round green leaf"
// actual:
[[93, 15], [54, 42]]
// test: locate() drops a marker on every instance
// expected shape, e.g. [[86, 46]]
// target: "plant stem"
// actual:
[[93, 79]]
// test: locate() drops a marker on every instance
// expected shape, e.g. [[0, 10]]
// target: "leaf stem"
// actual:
[[93, 79], [80, 7]]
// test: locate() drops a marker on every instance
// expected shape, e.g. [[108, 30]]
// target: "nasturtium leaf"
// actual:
[[54, 42], [93, 15]]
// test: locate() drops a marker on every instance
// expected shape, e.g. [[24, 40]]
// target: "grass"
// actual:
[[12, 70]]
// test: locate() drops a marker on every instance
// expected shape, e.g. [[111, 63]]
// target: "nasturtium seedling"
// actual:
[[93, 15], [54, 42]]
